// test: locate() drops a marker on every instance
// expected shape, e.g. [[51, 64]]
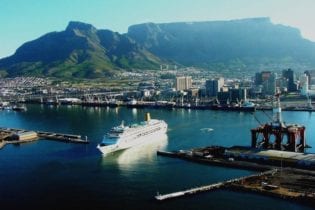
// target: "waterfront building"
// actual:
[[232, 96], [304, 90], [289, 75], [223, 98], [307, 83], [269, 85], [214, 86], [183, 83], [258, 80], [261, 77], [282, 83], [237, 95], [311, 79], [193, 92], [266, 80]]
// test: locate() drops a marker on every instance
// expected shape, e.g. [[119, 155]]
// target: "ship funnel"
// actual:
[[147, 117]]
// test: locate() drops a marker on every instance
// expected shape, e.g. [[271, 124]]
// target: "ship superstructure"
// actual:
[[122, 137]]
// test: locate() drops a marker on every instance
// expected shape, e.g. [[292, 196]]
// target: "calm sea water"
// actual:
[[56, 175]]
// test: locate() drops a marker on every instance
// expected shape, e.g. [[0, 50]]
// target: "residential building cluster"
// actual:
[[180, 85], [263, 84]]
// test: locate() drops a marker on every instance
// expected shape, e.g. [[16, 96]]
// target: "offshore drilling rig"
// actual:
[[279, 135]]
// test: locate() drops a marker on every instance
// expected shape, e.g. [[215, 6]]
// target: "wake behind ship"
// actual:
[[123, 137]]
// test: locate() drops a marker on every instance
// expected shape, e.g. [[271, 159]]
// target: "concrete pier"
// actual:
[[17, 136], [211, 186], [2, 144], [282, 178], [62, 137], [222, 162]]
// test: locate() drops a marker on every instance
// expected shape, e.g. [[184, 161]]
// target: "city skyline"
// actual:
[[24, 21]]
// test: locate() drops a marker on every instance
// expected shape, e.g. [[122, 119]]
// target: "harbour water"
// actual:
[[60, 175]]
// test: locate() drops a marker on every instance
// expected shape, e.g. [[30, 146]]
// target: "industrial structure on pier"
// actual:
[[279, 135]]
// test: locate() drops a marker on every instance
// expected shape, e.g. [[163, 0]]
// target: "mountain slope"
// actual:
[[80, 51], [125, 53], [237, 45], [246, 42]]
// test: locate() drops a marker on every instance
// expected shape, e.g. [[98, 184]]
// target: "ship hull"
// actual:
[[233, 108], [131, 141]]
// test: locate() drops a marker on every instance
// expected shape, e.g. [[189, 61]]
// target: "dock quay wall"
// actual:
[[210, 187], [217, 161], [294, 184], [17, 136]]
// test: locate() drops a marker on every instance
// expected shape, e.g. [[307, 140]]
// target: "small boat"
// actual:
[[19, 108]]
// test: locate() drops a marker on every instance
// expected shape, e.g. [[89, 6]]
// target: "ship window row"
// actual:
[[141, 130], [148, 132]]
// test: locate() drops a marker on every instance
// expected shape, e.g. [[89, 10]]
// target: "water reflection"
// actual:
[[134, 112], [310, 115], [143, 153]]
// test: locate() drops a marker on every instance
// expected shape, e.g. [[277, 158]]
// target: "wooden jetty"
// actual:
[[210, 187], [17, 136]]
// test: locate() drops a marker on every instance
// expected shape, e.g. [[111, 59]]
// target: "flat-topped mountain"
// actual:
[[244, 43], [84, 51]]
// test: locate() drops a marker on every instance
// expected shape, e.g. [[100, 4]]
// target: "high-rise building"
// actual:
[[290, 76], [258, 80], [183, 83], [213, 86], [311, 79], [304, 84], [261, 77], [238, 94], [269, 85], [266, 81]]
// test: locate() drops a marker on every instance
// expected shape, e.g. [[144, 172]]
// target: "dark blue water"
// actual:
[[48, 174]]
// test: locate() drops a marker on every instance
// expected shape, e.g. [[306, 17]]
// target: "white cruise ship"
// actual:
[[123, 137]]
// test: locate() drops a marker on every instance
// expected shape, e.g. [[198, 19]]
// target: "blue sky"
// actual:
[[25, 20]]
